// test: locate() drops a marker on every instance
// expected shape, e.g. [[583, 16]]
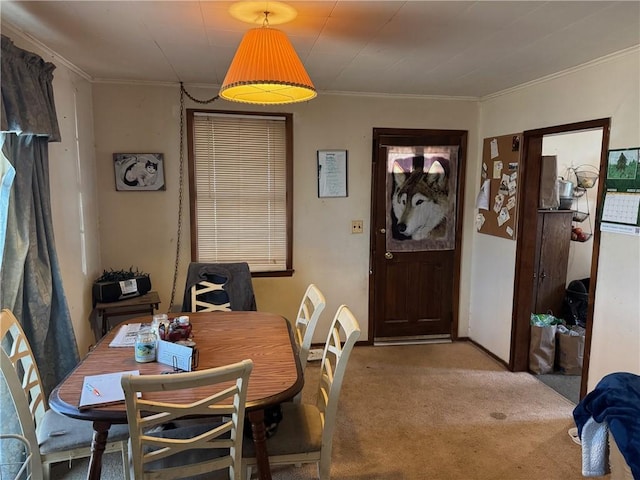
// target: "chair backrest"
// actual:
[[206, 290], [183, 452], [19, 352], [311, 307], [218, 286], [334, 363], [21, 406]]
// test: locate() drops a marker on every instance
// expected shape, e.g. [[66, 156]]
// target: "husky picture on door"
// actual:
[[421, 213]]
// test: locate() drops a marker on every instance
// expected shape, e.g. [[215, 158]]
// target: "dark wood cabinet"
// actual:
[[553, 239]]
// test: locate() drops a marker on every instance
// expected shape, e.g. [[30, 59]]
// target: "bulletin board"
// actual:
[[497, 201]]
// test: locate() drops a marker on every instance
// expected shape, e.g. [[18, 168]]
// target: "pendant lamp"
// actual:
[[266, 70]]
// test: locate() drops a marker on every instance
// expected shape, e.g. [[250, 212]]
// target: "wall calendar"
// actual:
[[621, 208]]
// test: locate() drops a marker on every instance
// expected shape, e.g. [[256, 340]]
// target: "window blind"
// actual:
[[240, 190]]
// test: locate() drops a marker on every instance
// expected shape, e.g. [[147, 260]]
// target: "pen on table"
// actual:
[[95, 391]]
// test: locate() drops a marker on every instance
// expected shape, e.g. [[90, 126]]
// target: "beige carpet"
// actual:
[[438, 412]]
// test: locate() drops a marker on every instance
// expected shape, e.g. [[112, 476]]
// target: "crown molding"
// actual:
[[563, 73], [45, 51]]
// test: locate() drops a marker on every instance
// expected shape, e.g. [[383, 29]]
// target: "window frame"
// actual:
[[191, 112]]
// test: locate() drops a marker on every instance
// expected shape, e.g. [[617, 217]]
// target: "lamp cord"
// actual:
[[183, 92]]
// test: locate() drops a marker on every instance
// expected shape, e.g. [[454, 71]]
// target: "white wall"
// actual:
[[609, 88], [74, 204], [492, 282], [139, 228], [73, 196]]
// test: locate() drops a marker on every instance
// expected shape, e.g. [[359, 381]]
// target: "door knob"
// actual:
[[383, 230], [388, 255]]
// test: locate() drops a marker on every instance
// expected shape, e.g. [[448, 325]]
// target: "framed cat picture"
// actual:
[[139, 171]]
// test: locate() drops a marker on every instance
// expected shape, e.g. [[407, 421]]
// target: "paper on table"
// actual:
[[104, 389], [175, 355], [126, 336]]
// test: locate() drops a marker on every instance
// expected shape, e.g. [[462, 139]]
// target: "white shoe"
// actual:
[[573, 433]]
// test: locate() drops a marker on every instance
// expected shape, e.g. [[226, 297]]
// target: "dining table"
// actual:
[[221, 338]]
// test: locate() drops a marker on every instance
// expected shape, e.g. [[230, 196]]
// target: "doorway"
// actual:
[[526, 244], [416, 220]]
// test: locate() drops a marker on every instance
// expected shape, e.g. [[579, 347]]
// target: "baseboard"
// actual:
[[491, 354], [415, 340]]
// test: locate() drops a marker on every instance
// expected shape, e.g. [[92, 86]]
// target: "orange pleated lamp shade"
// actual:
[[266, 70]]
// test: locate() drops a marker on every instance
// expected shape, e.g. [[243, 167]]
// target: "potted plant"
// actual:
[[114, 285]]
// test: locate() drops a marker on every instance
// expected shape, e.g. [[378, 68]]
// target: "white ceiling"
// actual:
[[450, 48]]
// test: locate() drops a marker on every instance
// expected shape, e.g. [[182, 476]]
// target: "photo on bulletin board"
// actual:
[[497, 199], [332, 173]]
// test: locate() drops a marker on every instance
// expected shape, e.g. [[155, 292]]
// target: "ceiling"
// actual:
[[446, 48]]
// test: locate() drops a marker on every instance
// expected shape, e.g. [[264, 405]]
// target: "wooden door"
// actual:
[[415, 225], [552, 257]]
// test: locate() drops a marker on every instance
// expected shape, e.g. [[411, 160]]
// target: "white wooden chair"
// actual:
[[52, 437], [311, 307], [211, 450], [201, 290], [306, 431], [16, 456]]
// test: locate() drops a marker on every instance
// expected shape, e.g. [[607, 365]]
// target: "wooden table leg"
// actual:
[[105, 329], [260, 442], [100, 433]]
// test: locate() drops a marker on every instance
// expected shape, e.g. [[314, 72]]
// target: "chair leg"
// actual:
[[324, 469], [46, 471], [125, 461]]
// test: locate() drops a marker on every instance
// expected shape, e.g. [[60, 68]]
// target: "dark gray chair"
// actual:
[[218, 286]]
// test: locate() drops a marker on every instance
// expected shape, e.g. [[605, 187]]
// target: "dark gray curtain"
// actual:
[[27, 93], [31, 280]]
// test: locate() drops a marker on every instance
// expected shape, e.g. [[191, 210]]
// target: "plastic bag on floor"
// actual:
[[545, 320]]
